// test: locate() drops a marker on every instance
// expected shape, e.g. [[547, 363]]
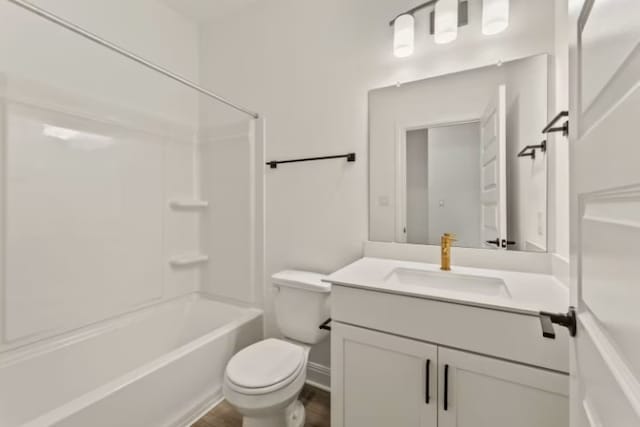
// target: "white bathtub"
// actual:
[[158, 367]]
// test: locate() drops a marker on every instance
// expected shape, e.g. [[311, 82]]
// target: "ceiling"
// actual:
[[206, 10]]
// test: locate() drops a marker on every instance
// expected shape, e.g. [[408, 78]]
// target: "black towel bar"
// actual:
[[564, 128], [351, 157]]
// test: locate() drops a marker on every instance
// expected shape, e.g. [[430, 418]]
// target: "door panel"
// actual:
[[601, 398], [379, 380], [486, 392], [605, 212], [608, 39], [610, 236]]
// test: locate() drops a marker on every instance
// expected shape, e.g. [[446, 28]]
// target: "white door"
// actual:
[[380, 380], [479, 391], [493, 172], [605, 211]]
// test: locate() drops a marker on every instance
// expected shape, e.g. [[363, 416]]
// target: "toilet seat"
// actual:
[[265, 367]]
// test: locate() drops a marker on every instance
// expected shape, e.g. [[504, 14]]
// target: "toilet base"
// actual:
[[292, 416]]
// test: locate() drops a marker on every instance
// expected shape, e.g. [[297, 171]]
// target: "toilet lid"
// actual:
[[265, 363]]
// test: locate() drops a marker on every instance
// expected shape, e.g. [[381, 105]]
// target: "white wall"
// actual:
[[558, 144], [527, 179], [307, 67], [96, 204], [417, 170], [454, 183]]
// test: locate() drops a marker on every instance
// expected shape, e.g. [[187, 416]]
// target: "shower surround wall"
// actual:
[[79, 247], [230, 153]]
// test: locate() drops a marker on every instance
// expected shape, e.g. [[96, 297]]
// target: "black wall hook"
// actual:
[[564, 128], [530, 150]]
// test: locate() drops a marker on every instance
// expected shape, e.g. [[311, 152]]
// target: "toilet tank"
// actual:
[[301, 305]]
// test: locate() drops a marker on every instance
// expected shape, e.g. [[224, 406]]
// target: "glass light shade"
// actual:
[[495, 16], [403, 36], [446, 21]]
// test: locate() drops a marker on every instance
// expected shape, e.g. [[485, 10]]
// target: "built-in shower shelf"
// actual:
[[187, 260], [189, 204]]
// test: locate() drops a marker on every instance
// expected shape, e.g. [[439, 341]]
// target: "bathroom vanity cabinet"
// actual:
[[404, 360], [381, 380]]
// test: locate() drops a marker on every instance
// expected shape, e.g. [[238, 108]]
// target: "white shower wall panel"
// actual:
[[81, 241], [181, 227], [87, 227], [226, 154], [84, 221]]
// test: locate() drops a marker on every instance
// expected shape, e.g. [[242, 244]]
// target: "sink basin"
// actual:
[[449, 282]]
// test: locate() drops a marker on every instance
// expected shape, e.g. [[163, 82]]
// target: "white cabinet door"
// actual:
[[380, 380], [479, 391]]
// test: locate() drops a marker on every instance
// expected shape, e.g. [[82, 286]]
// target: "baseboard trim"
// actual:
[[319, 376], [318, 386]]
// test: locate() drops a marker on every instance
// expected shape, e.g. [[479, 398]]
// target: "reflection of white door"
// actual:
[[605, 213], [493, 174], [401, 186]]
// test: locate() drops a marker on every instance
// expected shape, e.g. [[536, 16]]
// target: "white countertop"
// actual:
[[529, 293]]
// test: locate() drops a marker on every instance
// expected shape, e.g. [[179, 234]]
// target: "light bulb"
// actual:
[[403, 36], [446, 21], [495, 16]]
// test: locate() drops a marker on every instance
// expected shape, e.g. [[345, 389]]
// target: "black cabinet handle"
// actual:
[[426, 382], [446, 387], [494, 242]]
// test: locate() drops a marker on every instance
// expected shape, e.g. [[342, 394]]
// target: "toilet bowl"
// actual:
[[263, 380]]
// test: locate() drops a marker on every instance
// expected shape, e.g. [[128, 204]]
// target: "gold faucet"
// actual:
[[445, 251]]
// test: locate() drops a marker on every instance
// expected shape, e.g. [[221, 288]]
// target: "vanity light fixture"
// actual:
[[495, 16], [445, 18], [446, 21], [403, 35]]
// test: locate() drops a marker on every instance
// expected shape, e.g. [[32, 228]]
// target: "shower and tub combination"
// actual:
[[159, 366], [130, 239]]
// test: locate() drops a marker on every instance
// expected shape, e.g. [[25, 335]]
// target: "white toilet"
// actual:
[[263, 380]]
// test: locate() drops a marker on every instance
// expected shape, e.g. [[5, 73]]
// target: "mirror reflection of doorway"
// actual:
[[442, 190], [417, 222]]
